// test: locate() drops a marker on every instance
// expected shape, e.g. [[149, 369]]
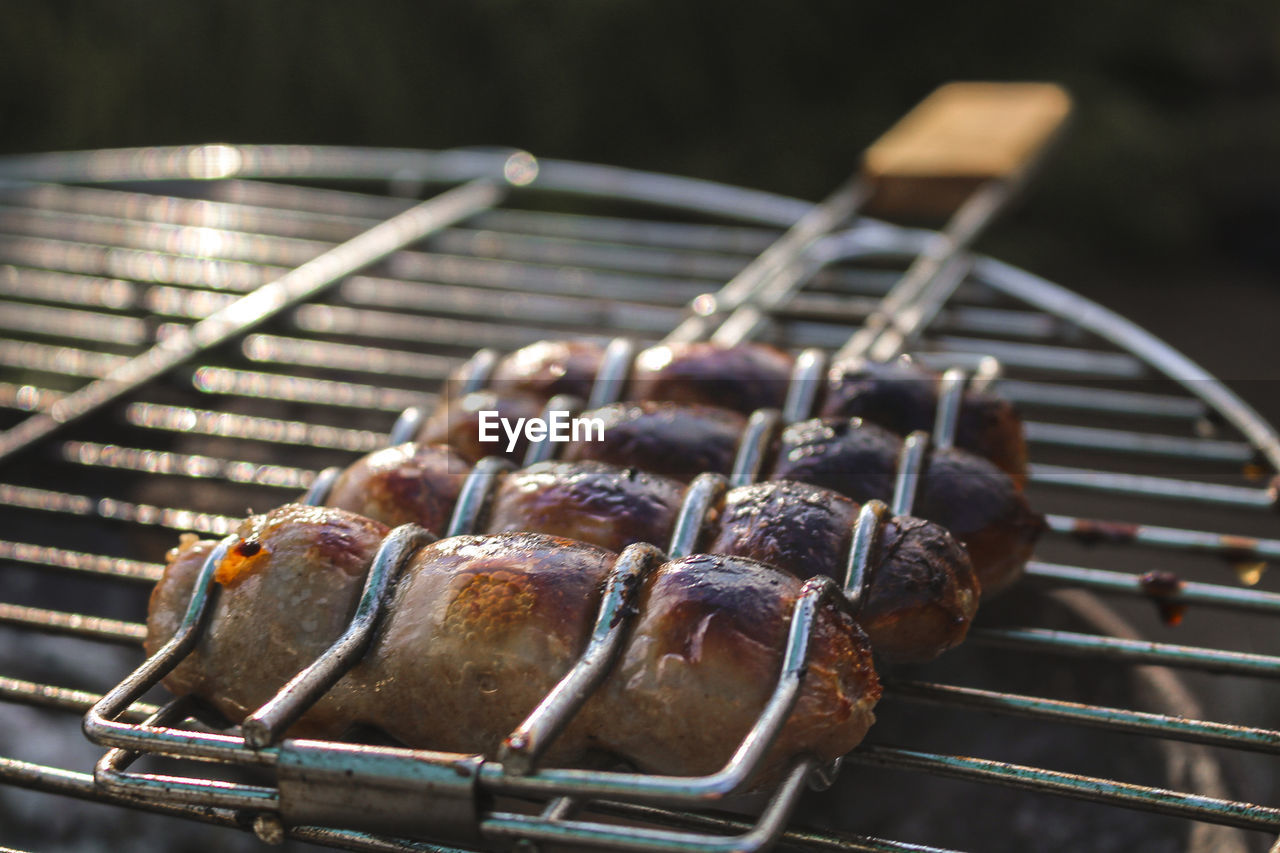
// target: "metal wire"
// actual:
[[83, 303]]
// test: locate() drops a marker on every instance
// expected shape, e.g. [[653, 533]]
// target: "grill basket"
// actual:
[[107, 457]]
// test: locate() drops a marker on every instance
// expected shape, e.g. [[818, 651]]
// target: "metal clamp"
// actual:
[[523, 747], [753, 447], [864, 544], [475, 493], [802, 388], [544, 448], [265, 725], [611, 376], [703, 493]]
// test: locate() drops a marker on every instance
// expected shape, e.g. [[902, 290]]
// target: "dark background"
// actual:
[[1163, 202]]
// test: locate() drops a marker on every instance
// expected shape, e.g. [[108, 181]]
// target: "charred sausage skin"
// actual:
[[921, 594], [903, 397], [969, 496], [669, 439]]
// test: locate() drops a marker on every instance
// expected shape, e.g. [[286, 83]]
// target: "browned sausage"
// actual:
[[980, 504], [903, 398], [411, 482], [742, 378], [977, 502], [899, 396], [799, 528], [286, 591], [713, 627], [456, 422], [921, 592], [679, 441], [602, 504], [548, 368]]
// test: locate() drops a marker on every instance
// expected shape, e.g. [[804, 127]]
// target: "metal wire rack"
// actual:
[[282, 355]]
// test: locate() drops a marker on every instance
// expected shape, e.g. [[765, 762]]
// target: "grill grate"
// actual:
[[93, 275]]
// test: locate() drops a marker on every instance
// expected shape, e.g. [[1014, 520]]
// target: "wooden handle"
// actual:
[[961, 136]]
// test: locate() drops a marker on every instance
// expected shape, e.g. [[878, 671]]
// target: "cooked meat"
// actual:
[[899, 396], [481, 627], [548, 368], [743, 378], [969, 496], [921, 592], [903, 397], [975, 501], [397, 485], [480, 630], [602, 504], [799, 528], [286, 591], [456, 422], [714, 627], [680, 441]]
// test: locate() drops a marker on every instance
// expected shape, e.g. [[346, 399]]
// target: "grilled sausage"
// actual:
[[287, 590], [456, 422], [416, 483], [980, 504], [548, 368], [921, 592], [590, 501], [968, 495], [903, 397], [479, 631], [713, 627], [481, 627], [742, 378], [663, 438], [931, 590], [899, 396], [964, 493]]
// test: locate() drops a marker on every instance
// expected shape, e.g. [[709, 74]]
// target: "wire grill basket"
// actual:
[[285, 323]]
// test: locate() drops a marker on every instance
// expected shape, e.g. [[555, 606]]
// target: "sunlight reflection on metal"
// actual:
[[521, 169], [26, 398], [99, 564], [213, 161], [175, 519], [28, 497], [49, 358], [187, 465], [250, 427], [49, 286], [246, 383]]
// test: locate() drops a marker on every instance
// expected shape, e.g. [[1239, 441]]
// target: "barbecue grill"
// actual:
[[1141, 460]]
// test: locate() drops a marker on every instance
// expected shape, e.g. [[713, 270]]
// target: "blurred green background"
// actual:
[[1166, 191]]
